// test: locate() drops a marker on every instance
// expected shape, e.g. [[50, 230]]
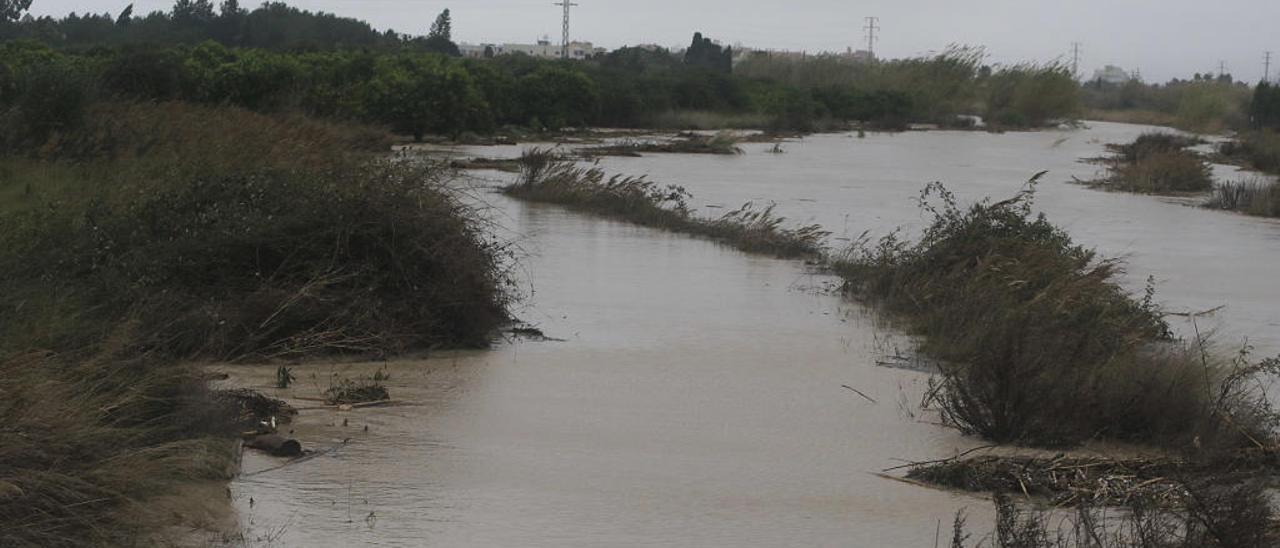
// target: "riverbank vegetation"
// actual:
[[1038, 344], [276, 58], [232, 235], [1259, 198], [935, 89], [1156, 163], [1202, 104], [138, 237], [547, 177]]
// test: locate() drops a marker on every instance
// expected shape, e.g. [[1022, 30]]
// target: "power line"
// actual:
[[871, 29], [564, 40]]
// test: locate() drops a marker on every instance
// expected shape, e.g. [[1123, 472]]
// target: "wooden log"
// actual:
[[276, 444]]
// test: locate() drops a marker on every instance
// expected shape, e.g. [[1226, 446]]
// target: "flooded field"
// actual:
[[696, 397]]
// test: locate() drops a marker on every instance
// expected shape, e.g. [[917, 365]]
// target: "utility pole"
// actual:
[[1222, 68], [871, 29], [1266, 67], [564, 40], [1075, 60]]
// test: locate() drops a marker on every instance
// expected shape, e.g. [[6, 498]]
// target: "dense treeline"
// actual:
[[934, 89], [1264, 109], [1201, 104], [272, 25], [278, 58]]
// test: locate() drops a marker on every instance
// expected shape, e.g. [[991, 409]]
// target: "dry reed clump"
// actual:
[[547, 177], [1258, 198], [1038, 343], [226, 253], [87, 439], [1156, 163]]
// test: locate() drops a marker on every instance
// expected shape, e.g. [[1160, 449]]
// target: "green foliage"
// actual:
[[1038, 343], [546, 177], [1257, 198], [229, 235], [41, 94], [11, 10], [421, 94], [1157, 163], [1030, 95], [558, 97], [442, 27], [277, 58], [1199, 104], [284, 377], [1264, 108], [704, 53]]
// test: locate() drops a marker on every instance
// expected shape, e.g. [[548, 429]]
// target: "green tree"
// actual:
[[707, 54], [440, 38], [11, 10], [443, 26], [193, 11], [558, 97], [421, 94], [125, 16]]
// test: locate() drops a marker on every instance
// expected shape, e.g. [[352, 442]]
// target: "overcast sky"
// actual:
[[1162, 38]]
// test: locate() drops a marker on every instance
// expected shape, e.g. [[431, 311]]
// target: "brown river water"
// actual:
[[696, 398]]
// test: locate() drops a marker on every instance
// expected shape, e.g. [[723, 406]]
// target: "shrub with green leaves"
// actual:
[[1037, 342], [218, 250]]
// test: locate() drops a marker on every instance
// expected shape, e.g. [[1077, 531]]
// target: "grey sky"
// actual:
[[1161, 38]]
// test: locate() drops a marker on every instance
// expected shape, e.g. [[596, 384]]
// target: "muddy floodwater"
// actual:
[[696, 395]]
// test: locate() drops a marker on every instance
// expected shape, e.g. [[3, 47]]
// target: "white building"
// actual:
[[1111, 74], [544, 49]]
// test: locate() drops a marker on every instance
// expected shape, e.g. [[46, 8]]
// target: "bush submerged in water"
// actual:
[[1038, 342], [546, 177], [1258, 198], [1157, 163]]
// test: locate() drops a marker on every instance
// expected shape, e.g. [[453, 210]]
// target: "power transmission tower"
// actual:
[[1266, 67], [871, 29], [1075, 60], [1222, 68], [564, 40]]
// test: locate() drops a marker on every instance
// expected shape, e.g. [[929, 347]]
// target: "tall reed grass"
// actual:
[[1038, 343], [1157, 163], [1256, 197], [254, 237], [546, 177], [154, 235]]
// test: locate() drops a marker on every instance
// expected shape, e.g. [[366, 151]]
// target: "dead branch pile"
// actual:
[[1075, 481]]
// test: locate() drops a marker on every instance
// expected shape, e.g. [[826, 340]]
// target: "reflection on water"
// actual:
[[696, 399]]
